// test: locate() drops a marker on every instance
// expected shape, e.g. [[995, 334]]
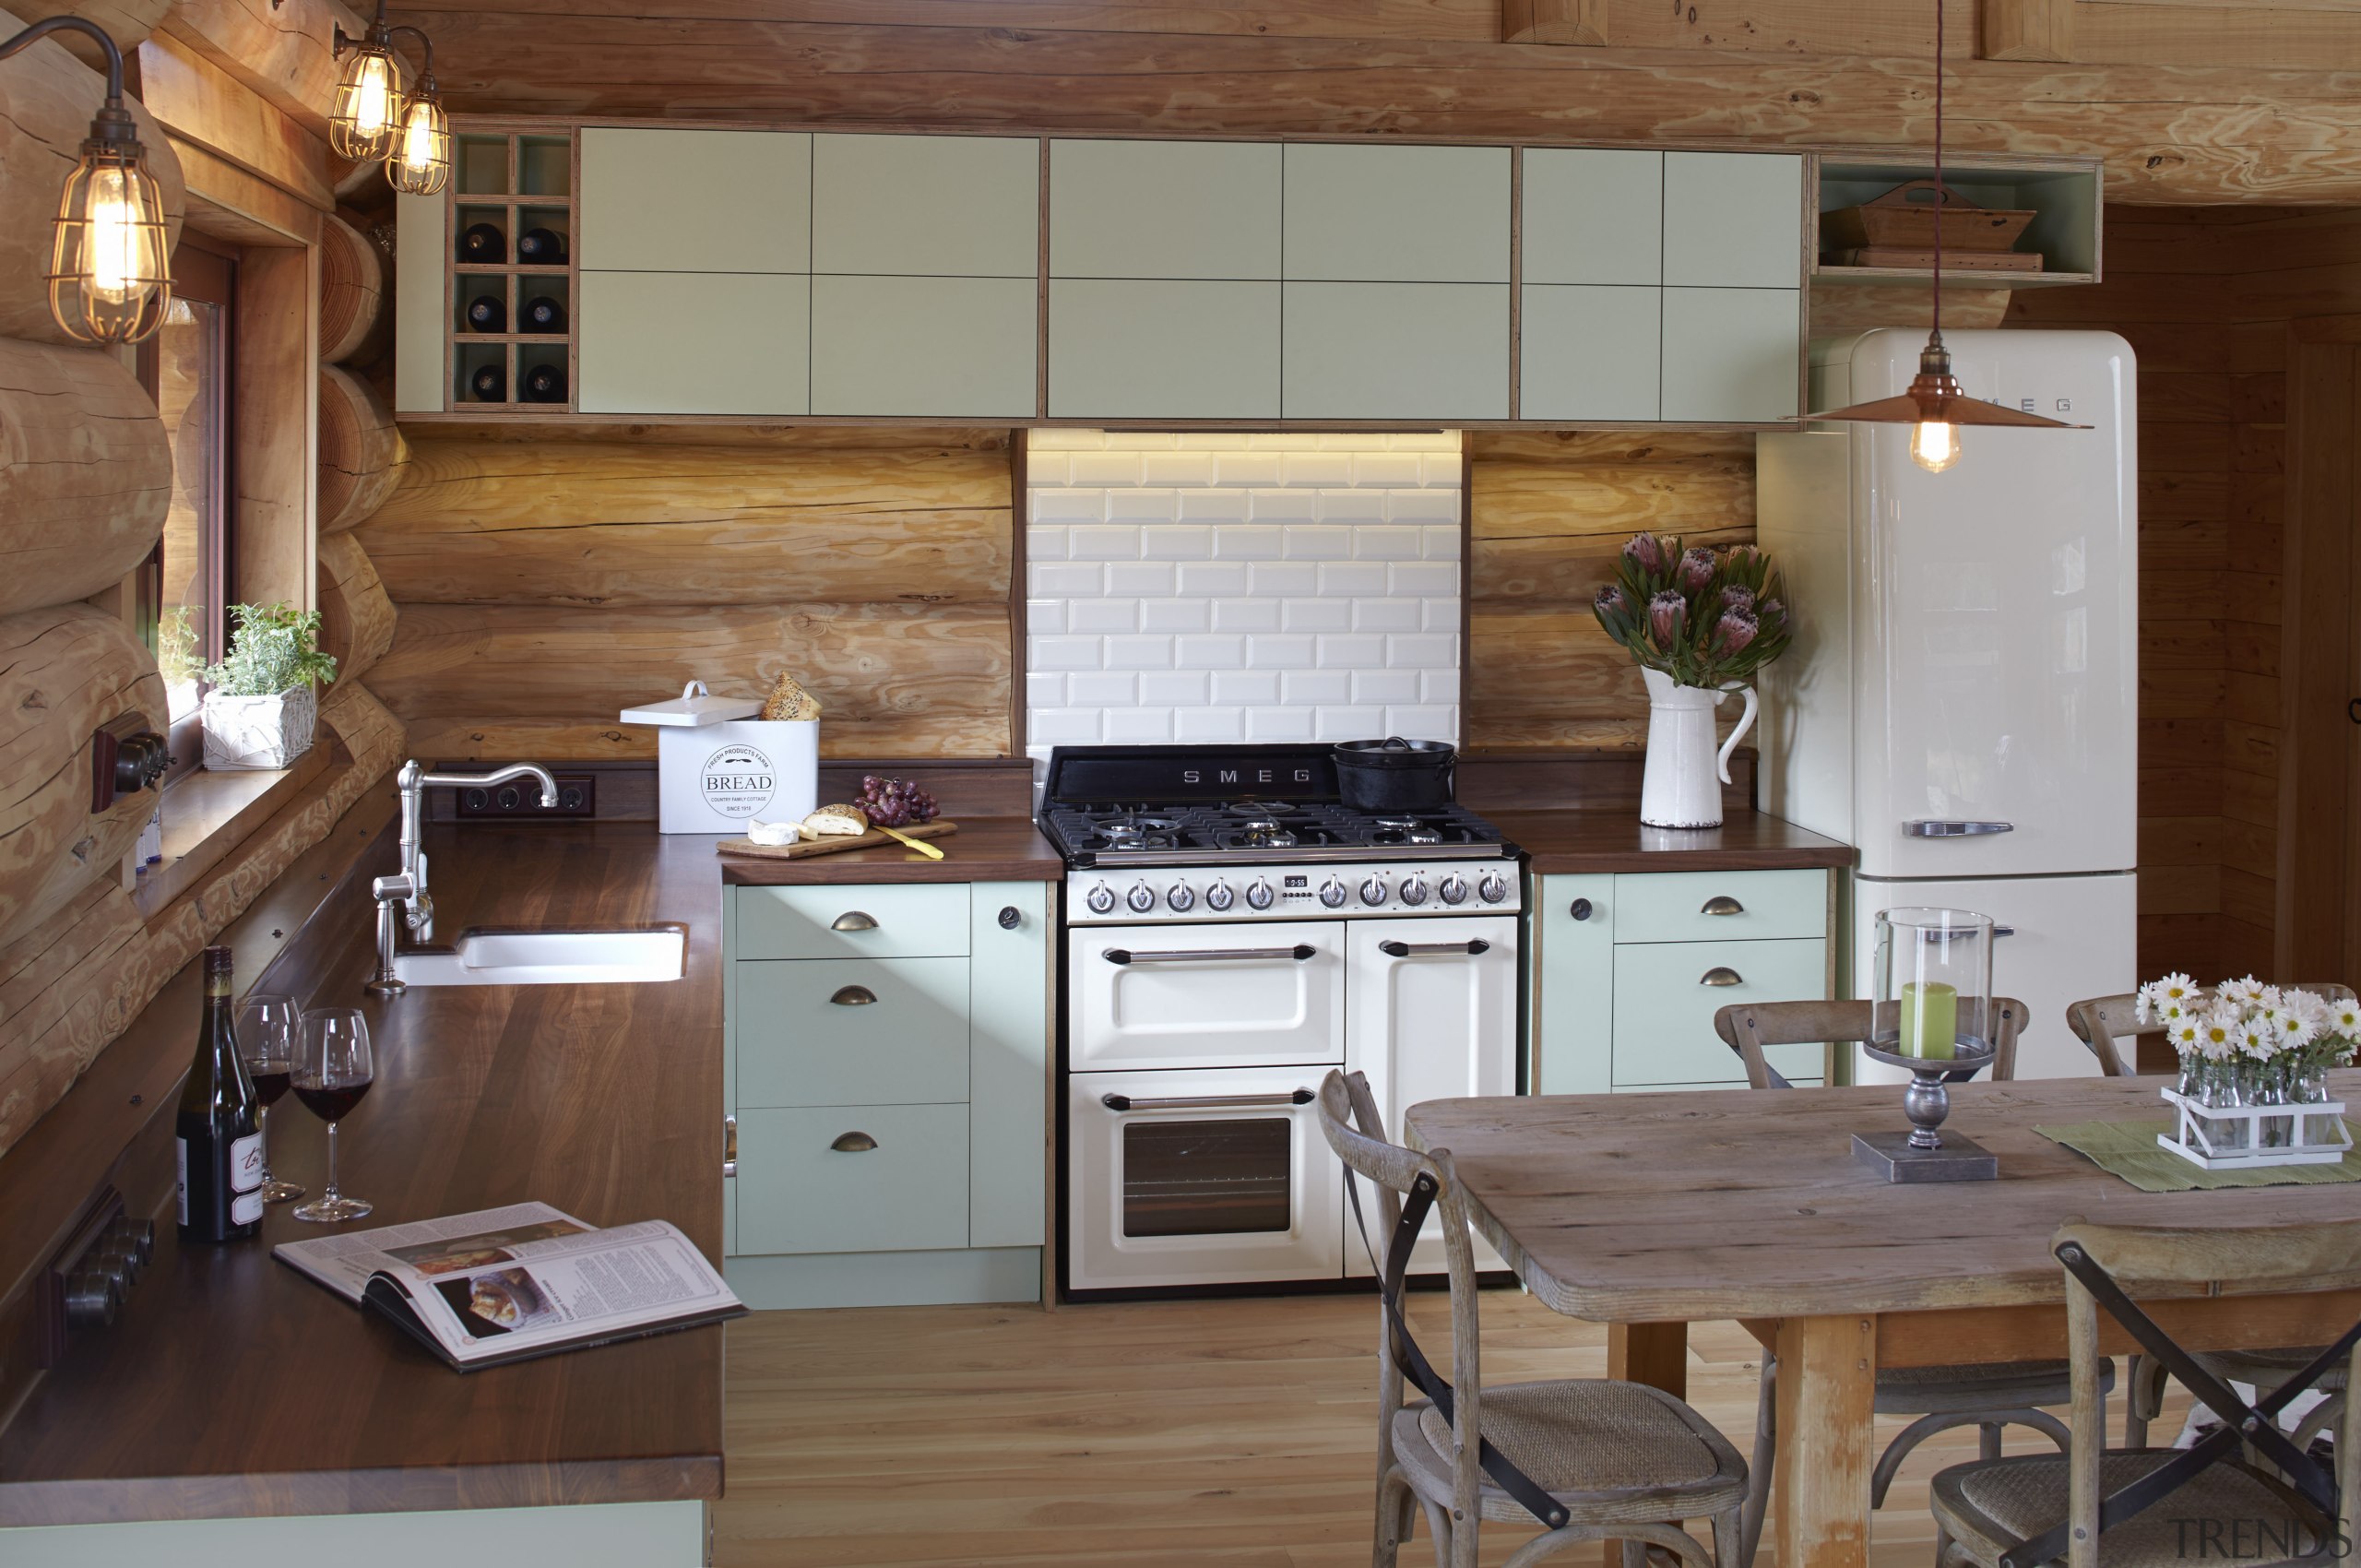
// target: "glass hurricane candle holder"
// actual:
[[1930, 1014]]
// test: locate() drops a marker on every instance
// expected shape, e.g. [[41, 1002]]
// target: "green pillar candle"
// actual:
[[1929, 1020]]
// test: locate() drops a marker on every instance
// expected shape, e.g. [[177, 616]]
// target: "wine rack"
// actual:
[[515, 182]]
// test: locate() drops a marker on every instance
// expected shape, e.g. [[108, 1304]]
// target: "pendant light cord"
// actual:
[[1942, 194]]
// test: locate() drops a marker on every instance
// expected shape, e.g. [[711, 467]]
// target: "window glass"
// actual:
[[191, 376]]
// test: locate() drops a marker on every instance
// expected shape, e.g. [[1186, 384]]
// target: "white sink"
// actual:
[[550, 957]]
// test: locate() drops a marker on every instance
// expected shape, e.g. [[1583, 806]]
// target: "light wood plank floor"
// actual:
[[1233, 1433]]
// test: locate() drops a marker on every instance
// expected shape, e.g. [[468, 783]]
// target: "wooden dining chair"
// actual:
[[2161, 1507], [1585, 1458], [2110, 1026], [1989, 1398]]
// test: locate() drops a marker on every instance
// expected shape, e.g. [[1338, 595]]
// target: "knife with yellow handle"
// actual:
[[921, 845]]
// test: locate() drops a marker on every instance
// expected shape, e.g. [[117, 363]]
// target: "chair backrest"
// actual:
[[2110, 1025], [2105, 1266], [1749, 1027]]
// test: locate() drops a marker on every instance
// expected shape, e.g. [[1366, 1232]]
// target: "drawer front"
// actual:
[[1697, 906], [920, 920], [853, 1031], [1664, 1009], [799, 1192]]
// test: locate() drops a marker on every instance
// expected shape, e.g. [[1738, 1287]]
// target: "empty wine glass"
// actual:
[[269, 1029], [332, 1073]]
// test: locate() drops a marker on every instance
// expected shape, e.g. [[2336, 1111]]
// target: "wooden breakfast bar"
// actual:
[[1650, 1212]]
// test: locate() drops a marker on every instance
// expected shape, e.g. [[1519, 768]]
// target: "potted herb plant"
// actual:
[[261, 704], [1699, 623]]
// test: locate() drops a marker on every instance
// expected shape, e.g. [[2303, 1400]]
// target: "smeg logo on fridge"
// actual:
[[738, 780], [1233, 774]]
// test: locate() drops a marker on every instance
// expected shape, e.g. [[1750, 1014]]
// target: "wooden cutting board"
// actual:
[[803, 848]]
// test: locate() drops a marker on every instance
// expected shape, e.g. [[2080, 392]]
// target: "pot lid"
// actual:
[[694, 709], [1395, 751]]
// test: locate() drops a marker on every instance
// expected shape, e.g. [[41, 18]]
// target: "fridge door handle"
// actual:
[[1928, 828]]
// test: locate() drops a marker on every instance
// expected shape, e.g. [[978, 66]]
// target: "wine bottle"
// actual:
[[541, 247], [219, 1129], [489, 384], [483, 245], [543, 313], [487, 313], [545, 384]]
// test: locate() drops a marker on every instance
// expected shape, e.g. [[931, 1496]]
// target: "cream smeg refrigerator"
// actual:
[[1961, 699]]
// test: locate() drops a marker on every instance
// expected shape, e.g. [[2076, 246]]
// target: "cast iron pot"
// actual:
[[1395, 775]]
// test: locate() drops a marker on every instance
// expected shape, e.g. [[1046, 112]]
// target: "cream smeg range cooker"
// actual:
[[1232, 933]]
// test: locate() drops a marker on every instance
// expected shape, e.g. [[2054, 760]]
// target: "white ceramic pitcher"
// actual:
[[1682, 786]]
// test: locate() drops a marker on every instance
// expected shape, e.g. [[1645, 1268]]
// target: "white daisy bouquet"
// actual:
[[2245, 1021]]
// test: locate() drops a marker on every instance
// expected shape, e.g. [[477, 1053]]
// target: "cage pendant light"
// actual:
[[368, 110], [418, 161], [1934, 404]]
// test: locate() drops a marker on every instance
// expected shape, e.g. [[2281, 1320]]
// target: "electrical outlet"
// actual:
[[577, 800]]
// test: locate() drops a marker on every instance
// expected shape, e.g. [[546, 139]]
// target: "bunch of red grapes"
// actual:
[[893, 802]]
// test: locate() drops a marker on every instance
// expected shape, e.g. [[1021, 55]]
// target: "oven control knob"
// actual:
[[1373, 891], [1414, 891], [1492, 888], [1180, 896], [1332, 893], [1258, 894], [1101, 898], [1219, 897], [1142, 897], [1453, 888]]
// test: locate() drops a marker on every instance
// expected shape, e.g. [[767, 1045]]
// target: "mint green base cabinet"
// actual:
[[1628, 970], [887, 1061], [605, 1535]]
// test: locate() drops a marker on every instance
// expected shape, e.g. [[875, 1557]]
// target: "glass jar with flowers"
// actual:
[[1700, 622], [2246, 1047]]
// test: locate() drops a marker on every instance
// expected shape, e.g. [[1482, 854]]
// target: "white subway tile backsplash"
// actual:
[[1223, 586]]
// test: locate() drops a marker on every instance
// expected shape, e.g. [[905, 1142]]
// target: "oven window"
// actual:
[[1208, 1177]]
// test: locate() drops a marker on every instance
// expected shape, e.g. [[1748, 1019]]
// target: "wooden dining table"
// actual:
[[1649, 1212]]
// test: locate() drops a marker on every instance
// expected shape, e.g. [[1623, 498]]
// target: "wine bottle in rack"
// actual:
[[541, 247], [482, 245], [487, 313], [489, 383], [217, 1134], [545, 384], [543, 313]]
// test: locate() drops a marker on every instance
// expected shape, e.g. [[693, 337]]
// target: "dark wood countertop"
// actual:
[[994, 848], [1601, 841], [232, 1385]]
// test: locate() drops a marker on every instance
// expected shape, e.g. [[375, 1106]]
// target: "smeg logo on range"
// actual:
[[1247, 776]]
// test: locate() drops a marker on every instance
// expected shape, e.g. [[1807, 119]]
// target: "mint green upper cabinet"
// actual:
[[936, 347], [1733, 220], [692, 343], [1126, 348], [1383, 214], [1590, 352], [1593, 215], [932, 206], [1732, 355], [1396, 351], [1164, 210], [695, 201]]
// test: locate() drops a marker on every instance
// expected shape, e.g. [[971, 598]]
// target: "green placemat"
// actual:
[[2130, 1149]]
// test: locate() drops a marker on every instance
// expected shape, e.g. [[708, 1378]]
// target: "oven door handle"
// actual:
[[1419, 949], [1120, 1102], [1301, 952]]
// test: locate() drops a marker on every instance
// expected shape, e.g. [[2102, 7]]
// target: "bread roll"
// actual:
[[789, 700], [839, 821]]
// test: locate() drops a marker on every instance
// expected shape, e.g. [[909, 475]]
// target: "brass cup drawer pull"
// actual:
[[1722, 904], [854, 920], [729, 1146], [1721, 975], [852, 996], [853, 1143]]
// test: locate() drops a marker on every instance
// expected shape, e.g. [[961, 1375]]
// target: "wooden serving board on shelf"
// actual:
[[803, 848]]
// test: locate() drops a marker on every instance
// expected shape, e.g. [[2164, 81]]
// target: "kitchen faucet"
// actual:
[[407, 887]]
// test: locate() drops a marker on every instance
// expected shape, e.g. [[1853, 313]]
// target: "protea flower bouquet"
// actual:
[[1701, 617], [2245, 1044]]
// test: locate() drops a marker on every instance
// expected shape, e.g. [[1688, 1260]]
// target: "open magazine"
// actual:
[[509, 1284]]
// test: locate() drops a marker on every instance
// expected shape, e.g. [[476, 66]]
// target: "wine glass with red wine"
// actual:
[[269, 1029], [332, 1072]]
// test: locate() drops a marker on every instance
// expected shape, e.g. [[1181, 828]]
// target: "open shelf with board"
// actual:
[[2062, 194]]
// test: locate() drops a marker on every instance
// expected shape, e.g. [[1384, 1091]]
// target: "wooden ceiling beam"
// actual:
[[2026, 29], [1553, 21]]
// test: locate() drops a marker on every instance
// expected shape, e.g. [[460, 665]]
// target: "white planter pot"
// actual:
[[260, 732], [1682, 785]]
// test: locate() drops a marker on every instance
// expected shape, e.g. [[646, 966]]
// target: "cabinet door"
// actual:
[[1123, 348], [932, 347], [1008, 1115], [938, 207], [1592, 215], [693, 343], [1732, 355], [1164, 210], [815, 921], [1590, 351], [1396, 351], [1666, 995], [421, 266], [852, 1179], [1720, 905], [1574, 984], [1398, 214], [695, 201], [853, 1031], [1733, 219]]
